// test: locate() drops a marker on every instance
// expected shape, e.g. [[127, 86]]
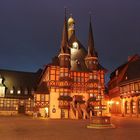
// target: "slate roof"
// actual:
[[129, 71], [78, 56], [132, 72], [43, 88], [17, 80]]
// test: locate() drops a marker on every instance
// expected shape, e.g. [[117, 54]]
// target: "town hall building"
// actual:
[[68, 87]]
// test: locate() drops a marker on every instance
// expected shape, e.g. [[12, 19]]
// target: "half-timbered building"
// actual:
[[68, 87], [74, 81], [124, 88]]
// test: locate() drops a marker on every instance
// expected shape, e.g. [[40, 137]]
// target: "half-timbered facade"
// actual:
[[16, 92], [124, 88], [75, 79], [68, 87]]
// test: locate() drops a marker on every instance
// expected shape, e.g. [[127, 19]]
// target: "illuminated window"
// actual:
[[42, 97], [133, 107], [78, 79], [136, 85], [90, 76], [61, 94], [95, 77], [61, 74], [11, 91], [139, 106], [91, 95], [26, 92], [66, 74], [18, 92], [65, 94]]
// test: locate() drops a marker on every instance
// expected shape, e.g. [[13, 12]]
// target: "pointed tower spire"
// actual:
[[64, 55], [64, 41], [92, 57], [91, 49]]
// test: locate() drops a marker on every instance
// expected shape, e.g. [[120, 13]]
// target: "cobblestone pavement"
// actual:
[[26, 128]]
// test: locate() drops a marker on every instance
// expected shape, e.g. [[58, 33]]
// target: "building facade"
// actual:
[[73, 78], [17, 91], [72, 84], [124, 88]]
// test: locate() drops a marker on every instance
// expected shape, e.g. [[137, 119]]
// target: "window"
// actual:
[[78, 79], [65, 94], [42, 98], [61, 94], [127, 107], [61, 74], [7, 104], [136, 86], [90, 76], [95, 77], [11, 91], [26, 92], [18, 91], [91, 95], [131, 87], [139, 106], [133, 107]]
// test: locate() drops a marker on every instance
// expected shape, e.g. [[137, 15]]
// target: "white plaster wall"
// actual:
[[54, 105]]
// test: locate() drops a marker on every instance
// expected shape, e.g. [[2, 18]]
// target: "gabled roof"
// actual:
[[128, 71], [18, 80], [133, 71]]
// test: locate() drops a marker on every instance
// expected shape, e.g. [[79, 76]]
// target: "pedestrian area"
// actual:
[[27, 128]]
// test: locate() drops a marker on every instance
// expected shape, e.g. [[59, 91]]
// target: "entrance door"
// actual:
[[21, 109], [62, 113]]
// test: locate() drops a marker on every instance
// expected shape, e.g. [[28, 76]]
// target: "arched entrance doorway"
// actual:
[[138, 106], [133, 107], [127, 108]]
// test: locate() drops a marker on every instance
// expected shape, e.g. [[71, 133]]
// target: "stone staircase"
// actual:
[[78, 112]]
